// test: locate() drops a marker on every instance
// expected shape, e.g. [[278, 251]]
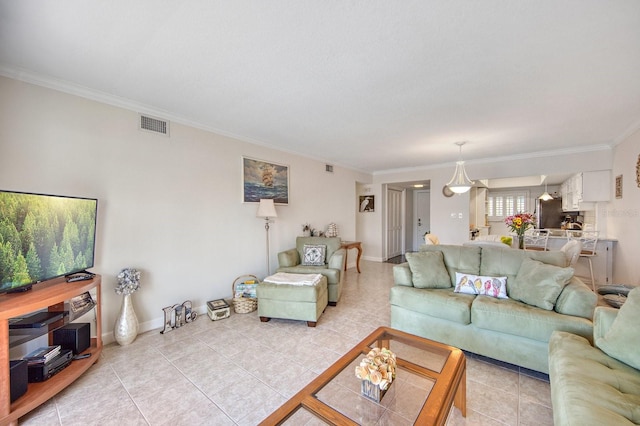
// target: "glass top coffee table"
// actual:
[[430, 379]]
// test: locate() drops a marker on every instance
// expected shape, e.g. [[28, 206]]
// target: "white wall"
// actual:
[[169, 206], [369, 224], [623, 215]]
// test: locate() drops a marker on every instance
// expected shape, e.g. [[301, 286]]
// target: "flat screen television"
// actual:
[[44, 237]]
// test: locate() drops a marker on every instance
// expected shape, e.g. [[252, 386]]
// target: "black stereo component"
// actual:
[[75, 336], [41, 372], [18, 378]]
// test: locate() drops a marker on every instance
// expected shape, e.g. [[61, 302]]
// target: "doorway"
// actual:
[[421, 215]]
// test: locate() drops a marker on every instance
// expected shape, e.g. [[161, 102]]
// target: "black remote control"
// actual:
[[79, 277], [81, 356]]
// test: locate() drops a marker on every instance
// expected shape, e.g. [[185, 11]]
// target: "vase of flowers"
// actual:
[[519, 223], [377, 371], [126, 327]]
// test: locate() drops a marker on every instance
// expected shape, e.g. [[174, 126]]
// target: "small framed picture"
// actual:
[[619, 186], [367, 203]]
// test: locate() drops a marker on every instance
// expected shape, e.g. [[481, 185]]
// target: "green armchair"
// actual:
[[332, 267]]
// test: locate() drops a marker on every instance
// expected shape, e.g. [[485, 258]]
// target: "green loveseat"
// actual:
[[503, 329], [333, 266], [589, 387]]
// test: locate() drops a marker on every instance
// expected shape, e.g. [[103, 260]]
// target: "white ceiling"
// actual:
[[374, 85]]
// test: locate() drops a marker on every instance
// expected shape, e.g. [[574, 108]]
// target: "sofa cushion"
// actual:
[[458, 259], [505, 262], [428, 270], [588, 387], [481, 285], [576, 299], [622, 339], [539, 284], [314, 254], [519, 319], [439, 303]]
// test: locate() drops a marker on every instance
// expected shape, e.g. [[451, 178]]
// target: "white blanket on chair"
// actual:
[[293, 279]]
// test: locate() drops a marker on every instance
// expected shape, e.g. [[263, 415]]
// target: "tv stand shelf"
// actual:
[[50, 295]]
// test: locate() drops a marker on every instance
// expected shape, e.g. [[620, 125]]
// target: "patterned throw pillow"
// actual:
[[481, 285], [313, 255]]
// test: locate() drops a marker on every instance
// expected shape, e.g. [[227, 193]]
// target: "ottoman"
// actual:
[[297, 301]]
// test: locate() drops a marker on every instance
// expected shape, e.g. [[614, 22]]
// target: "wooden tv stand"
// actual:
[[49, 295]]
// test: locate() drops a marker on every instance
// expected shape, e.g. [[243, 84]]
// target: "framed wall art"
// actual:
[[262, 179], [619, 186], [367, 203]]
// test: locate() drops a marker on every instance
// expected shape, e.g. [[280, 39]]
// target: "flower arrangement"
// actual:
[[378, 367], [128, 281], [519, 223]]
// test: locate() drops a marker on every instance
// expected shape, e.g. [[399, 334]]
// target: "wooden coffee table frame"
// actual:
[[449, 387]]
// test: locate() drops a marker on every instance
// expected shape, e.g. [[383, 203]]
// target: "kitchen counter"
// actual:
[[561, 234]]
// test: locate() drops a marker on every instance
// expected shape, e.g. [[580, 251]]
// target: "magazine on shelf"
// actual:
[[81, 304]]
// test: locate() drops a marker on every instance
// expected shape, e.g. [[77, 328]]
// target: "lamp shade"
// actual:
[[460, 182], [546, 196], [266, 208]]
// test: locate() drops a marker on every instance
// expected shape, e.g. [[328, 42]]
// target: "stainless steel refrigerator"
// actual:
[[549, 213]]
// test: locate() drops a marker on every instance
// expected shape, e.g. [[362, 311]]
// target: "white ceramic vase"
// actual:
[[126, 327]]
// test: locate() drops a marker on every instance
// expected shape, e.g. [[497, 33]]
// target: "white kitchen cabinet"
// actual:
[[582, 190], [596, 186]]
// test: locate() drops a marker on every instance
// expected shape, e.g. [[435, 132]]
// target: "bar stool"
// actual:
[[589, 240], [536, 239]]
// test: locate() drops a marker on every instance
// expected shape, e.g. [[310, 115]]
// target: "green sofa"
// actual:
[[589, 387], [504, 329], [291, 261]]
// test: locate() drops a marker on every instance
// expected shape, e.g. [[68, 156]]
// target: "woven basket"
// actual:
[[243, 305]]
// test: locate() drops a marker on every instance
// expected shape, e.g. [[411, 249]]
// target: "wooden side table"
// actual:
[[349, 245]]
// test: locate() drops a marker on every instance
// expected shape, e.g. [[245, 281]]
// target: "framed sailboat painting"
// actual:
[[262, 179]]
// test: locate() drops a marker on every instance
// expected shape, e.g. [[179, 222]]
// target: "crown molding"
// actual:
[[138, 107], [524, 156]]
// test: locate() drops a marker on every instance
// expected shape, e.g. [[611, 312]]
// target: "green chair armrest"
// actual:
[[402, 275], [337, 259], [288, 258]]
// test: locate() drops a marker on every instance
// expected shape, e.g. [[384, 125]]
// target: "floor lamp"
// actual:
[[267, 210]]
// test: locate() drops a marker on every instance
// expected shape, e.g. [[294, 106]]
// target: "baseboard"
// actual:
[[156, 323]]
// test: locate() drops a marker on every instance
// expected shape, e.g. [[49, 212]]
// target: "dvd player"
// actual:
[[38, 320], [41, 372]]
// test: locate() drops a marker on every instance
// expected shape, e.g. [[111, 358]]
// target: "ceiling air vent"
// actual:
[[154, 125], [328, 168]]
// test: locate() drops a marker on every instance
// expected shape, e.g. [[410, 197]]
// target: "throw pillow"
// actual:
[[506, 240], [313, 255], [621, 340], [428, 270], [539, 284], [481, 285]]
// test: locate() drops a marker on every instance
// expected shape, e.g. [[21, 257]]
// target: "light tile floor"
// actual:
[[238, 370]]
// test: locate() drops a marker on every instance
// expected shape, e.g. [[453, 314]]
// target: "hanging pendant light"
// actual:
[[460, 182], [545, 196]]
